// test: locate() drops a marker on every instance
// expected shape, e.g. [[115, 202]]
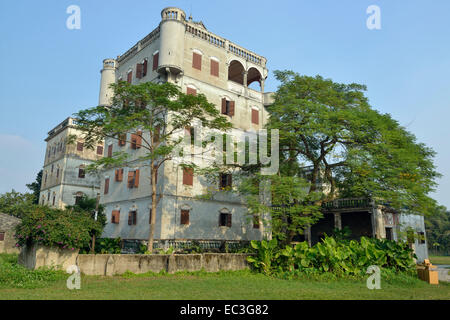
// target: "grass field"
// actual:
[[440, 260], [243, 285]]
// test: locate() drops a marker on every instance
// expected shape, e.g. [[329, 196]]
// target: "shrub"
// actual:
[[66, 229], [338, 257]]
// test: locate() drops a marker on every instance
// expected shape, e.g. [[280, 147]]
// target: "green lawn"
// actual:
[[440, 259], [243, 285]]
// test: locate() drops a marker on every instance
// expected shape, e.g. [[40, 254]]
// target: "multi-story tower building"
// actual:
[[184, 52], [64, 178]]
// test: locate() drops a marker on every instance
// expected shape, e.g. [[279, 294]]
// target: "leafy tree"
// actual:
[[89, 205], [438, 229], [160, 110], [35, 187], [282, 203], [66, 229], [353, 149], [16, 204]]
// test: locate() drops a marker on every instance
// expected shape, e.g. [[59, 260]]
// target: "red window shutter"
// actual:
[[119, 175], [110, 151], [191, 91], [132, 218], [229, 220], [214, 68], [115, 216], [144, 68], [100, 150], [231, 111], [155, 61], [224, 106], [106, 186], [139, 70], [136, 178], [130, 179], [188, 176], [184, 217], [80, 146], [130, 76], [255, 116], [197, 61], [138, 139]]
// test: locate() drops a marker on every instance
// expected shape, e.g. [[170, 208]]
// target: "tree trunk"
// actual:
[[153, 220]]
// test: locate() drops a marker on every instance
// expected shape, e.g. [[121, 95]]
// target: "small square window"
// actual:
[[225, 220]]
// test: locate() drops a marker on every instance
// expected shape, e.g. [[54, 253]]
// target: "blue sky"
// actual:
[[49, 72]]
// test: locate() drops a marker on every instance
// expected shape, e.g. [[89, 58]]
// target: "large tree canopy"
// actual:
[[355, 150], [160, 112]]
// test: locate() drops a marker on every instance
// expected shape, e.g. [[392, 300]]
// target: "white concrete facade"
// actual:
[[226, 70], [61, 181]]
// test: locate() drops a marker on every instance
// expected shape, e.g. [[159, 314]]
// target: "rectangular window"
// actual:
[[100, 150], [136, 140], [119, 175], [225, 220], [197, 61], [110, 151], [228, 107], [225, 181], [144, 67], [106, 186], [2, 236], [389, 234], [191, 91], [188, 176], [130, 76], [184, 217], [214, 68], [133, 179], [255, 116], [80, 146], [155, 61], [81, 173], [115, 216], [132, 218], [122, 139], [256, 221], [421, 236], [139, 70], [190, 132]]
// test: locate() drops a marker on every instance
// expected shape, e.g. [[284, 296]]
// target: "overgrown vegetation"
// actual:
[[13, 275], [438, 230], [65, 229], [340, 258]]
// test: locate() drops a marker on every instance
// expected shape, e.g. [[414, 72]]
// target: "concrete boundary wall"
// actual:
[[116, 264]]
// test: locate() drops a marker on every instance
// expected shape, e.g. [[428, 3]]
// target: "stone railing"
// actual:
[[205, 35]]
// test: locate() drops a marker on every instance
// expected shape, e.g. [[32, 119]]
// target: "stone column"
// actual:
[[262, 85], [338, 220], [308, 235]]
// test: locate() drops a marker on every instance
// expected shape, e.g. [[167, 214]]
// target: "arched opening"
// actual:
[[254, 79], [236, 72], [78, 197]]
